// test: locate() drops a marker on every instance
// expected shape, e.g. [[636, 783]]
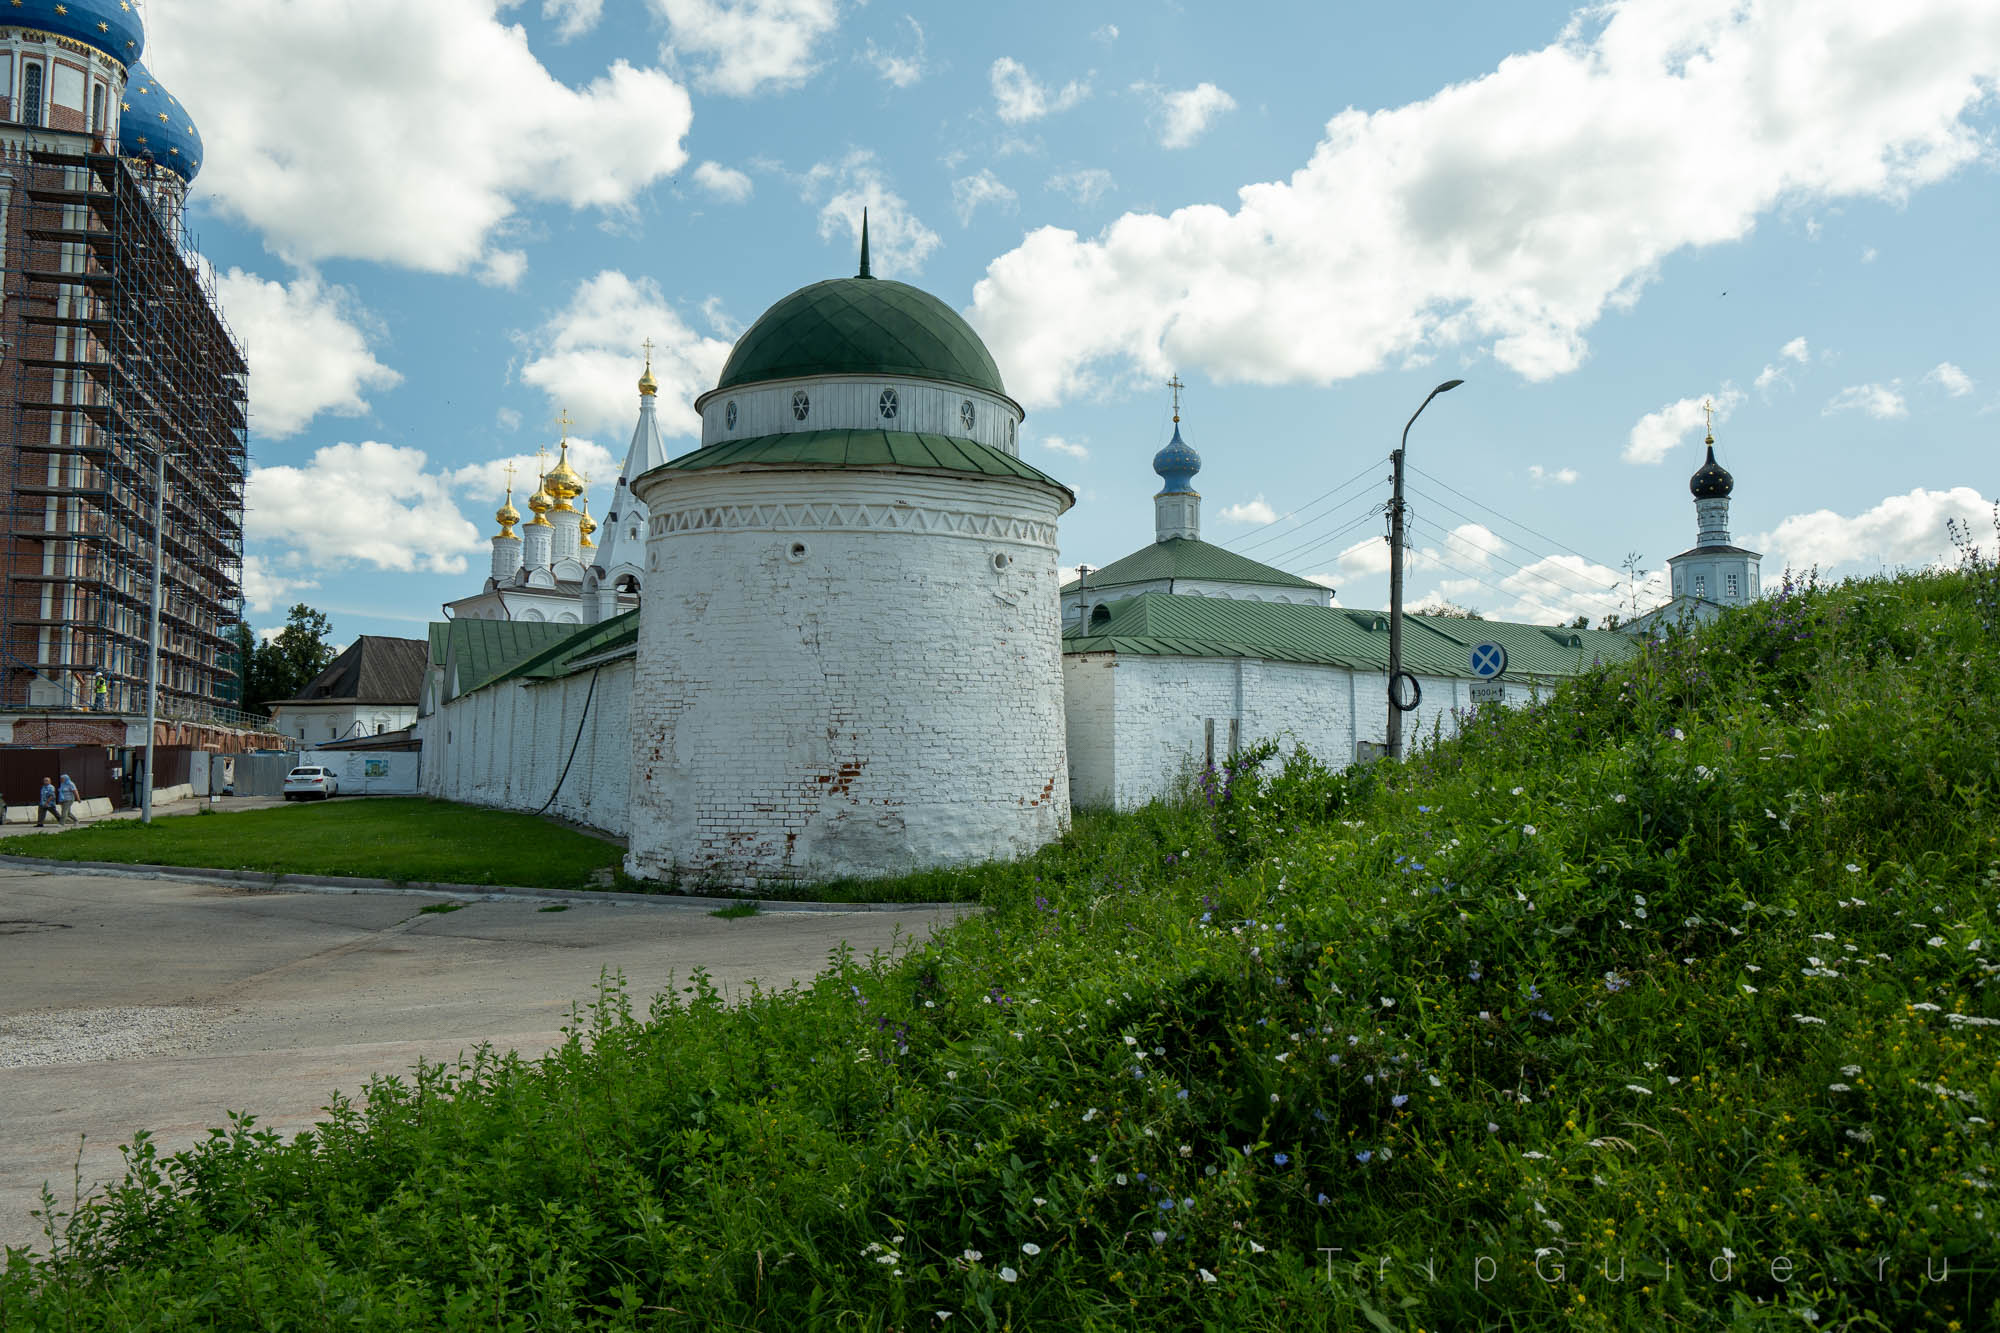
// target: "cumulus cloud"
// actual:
[[320, 154], [1658, 434], [1555, 590], [1949, 378], [1249, 511], [895, 67], [1794, 351], [587, 357], [1183, 115], [573, 18], [742, 47], [1904, 531], [969, 192], [1509, 211], [1086, 185], [1020, 97], [307, 348], [487, 481], [265, 590], [1884, 402], [898, 240], [725, 183], [1068, 448], [1561, 476], [370, 504]]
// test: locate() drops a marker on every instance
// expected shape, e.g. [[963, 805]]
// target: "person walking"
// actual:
[[66, 795], [45, 803]]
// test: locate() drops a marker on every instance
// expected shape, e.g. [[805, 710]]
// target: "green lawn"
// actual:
[[399, 838]]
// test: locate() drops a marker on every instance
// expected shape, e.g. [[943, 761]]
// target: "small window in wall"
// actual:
[[97, 109], [31, 93], [888, 404], [1735, 591], [1701, 585], [729, 415], [801, 404], [966, 414]]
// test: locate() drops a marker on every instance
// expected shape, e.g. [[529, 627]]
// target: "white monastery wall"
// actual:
[[848, 672], [313, 723], [1090, 717], [506, 745]]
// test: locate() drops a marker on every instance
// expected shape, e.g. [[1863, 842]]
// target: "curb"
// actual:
[[479, 892]]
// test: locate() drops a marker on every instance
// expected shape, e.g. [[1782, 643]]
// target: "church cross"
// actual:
[[510, 478], [1176, 385], [563, 420], [648, 345], [1708, 412]]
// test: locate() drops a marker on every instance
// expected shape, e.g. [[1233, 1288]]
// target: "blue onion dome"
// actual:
[[1711, 481], [1177, 463], [111, 26], [154, 127]]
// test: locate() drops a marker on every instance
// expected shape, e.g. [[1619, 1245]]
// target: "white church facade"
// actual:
[[831, 640]]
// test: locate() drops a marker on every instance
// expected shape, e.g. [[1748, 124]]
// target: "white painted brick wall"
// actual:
[[835, 679], [505, 746]]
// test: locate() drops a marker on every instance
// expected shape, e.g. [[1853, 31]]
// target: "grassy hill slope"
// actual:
[[1663, 1004]]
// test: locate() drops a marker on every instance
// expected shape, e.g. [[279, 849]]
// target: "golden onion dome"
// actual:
[[563, 482], [588, 526], [648, 386], [541, 504], [507, 516]]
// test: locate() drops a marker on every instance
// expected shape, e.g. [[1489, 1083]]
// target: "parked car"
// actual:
[[303, 782]]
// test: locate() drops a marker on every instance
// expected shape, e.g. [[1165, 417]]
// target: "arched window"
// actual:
[[31, 93]]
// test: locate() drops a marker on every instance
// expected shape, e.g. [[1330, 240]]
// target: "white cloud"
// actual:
[[894, 67], [743, 47], [720, 320], [1658, 434], [574, 17], [306, 346], [1555, 590], [1950, 378], [1069, 448], [1086, 185], [1468, 544], [1562, 476], [725, 183], [368, 503], [1019, 97], [264, 591], [508, 419], [898, 240], [486, 482], [1795, 350], [1902, 531], [1106, 34], [1884, 402], [1184, 115], [969, 192], [1868, 255], [412, 134], [1249, 511], [1509, 211], [587, 357]]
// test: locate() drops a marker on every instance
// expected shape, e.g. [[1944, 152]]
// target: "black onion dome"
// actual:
[[1711, 481]]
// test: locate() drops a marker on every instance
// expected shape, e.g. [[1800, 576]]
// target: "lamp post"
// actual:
[[1395, 746]]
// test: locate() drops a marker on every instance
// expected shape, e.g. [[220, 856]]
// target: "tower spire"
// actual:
[[864, 273]]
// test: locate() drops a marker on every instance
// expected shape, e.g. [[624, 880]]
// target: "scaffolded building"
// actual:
[[118, 364]]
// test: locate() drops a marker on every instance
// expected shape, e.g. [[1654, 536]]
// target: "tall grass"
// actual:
[[1664, 1003]]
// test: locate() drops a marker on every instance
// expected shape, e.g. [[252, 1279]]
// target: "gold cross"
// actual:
[[1708, 412], [563, 420], [510, 479], [1176, 385], [648, 345]]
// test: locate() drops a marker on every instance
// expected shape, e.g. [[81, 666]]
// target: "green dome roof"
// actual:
[[861, 326]]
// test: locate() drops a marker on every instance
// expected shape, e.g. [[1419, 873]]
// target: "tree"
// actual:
[[286, 663]]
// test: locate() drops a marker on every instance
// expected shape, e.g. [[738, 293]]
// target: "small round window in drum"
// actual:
[[729, 415], [801, 404], [887, 404], [966, 414]]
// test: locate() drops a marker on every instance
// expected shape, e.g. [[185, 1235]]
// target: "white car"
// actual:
[[303, 782]]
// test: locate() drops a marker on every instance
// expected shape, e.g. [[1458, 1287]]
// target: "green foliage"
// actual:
[[286, 663], [735, 911], [1665, 1003]]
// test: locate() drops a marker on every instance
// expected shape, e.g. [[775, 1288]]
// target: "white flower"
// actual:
[[1030, 1249], [1131, 1040], [1535, 1156], [1672, 1079], [1935, 941], [1388, 1003], [1159, 1238], [1091, 1114], [1838, 1087], [1634, 1087], [1749, 989], [1926, 1006], [1039, 1200], [1255, 1248], [1852, 1071], [1528, 829], [1519, 790], [1008, 1275], [973, 1256], [1619, 798], [1853, 869], [1808, 1018], [1206, 1276]]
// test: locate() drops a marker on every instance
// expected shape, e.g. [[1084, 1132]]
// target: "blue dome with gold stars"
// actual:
[[1177, 463], [155, 127], [111, 26]]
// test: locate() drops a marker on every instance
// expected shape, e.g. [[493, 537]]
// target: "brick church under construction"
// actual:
[[118, 370]]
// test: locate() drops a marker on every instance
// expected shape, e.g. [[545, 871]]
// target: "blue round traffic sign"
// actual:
[[1488, 660]]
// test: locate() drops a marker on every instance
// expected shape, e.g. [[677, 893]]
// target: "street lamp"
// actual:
[[1396, 706]]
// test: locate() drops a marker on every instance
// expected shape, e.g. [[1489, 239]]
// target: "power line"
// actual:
[[1297, 553], [1502, 517], [1573, 590], [1242, 539], [1468, 518]]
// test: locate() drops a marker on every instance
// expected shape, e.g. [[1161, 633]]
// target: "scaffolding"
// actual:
[[120, 356]]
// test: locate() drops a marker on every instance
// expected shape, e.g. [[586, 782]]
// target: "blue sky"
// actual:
[[436, 226]]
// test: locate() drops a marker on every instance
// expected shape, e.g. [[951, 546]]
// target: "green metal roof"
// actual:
[[861, 326], [555, 659], [477, 650], [862, 448], [1168, 625], [1188, 558]]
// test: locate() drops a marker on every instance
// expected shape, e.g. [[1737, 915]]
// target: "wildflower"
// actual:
[[1388, 1003], [1533, 1156], [1852, 1071], [1935, 941], [1642, 1091], [1838, 1087], [1615, 983], [1519, 790], [1492, 1128], [1853, 869], [1131, 1040], [1808, 1018], [1091, 1114], [1031, 1249], [1618, 797], [1400, 1100], [1206, 1276], [1364, 1156], [1159, 1238], [1282, 1159], [1321, 1200], [1008, 1275], [973, 1256]]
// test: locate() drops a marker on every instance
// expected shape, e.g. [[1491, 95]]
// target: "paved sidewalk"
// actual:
[[193, 805], [129, 1003]]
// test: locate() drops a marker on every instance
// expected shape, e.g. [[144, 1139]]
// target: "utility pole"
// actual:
[[1395, 746]]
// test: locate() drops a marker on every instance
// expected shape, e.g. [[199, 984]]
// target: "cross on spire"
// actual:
[[648, 345], [1708, 414], [510, 479], [1176, 385], [562, 419]]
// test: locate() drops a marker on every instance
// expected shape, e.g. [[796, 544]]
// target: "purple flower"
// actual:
[[1364, 1155], [1400, 1100], [1281, 1159]]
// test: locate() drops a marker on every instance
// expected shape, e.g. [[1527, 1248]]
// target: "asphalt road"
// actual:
[[129, 1004]]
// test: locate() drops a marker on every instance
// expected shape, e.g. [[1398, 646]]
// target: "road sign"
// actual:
[[1488, 692], [1489, 660]]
